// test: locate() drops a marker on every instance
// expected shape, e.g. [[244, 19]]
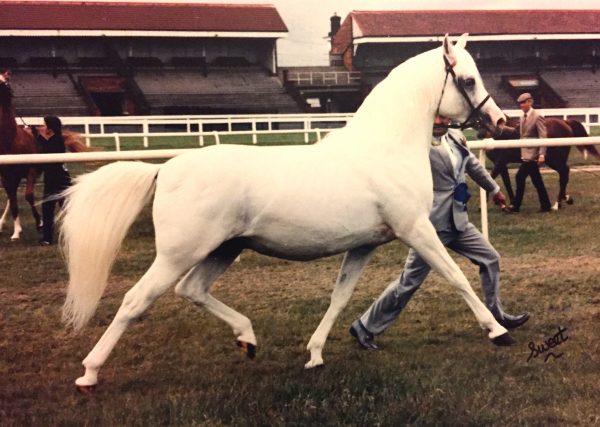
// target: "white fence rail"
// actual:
[[148, 126]]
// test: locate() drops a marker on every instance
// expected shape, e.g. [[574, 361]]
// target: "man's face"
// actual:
[[6, 75], [440, 125], [525, 106]]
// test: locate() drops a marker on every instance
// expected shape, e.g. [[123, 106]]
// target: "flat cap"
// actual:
[[524, 97]]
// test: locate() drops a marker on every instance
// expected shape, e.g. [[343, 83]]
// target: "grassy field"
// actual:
[[178, 365]]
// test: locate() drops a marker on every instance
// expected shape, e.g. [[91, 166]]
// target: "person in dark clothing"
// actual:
[[56, 176]]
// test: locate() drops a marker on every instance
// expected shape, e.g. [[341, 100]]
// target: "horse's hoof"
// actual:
[[14, 239], [314, 364], [86, 389], [248, 348], [504, 340], [569, 200]]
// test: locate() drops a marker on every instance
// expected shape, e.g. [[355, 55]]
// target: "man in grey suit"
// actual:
[[532, 125], [450, 159]]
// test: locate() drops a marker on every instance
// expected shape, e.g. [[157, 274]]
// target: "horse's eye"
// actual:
[[470, 82]]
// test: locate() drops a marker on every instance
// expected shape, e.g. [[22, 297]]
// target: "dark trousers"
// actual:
[[54, 184], [531, 169]]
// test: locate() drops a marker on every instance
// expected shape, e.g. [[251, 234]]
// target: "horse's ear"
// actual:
[[449, 51], [462, 40]]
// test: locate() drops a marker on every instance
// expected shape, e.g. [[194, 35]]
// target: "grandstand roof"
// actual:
[[55, 18], [427, 25]]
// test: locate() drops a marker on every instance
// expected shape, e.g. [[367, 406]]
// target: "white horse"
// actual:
[[362, 186]]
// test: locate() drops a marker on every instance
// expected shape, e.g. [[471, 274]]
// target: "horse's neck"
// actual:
[[397, 117]]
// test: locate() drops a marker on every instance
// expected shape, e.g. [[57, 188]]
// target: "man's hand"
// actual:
[[500, 200], [541, 160]]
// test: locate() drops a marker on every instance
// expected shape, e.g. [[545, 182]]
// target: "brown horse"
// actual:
[[556, 157], [18, 140]]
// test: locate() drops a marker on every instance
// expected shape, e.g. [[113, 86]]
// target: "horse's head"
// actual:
[[504, 129], [463, 96]]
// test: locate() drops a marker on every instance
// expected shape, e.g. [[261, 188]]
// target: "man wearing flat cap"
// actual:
[[532, 125]]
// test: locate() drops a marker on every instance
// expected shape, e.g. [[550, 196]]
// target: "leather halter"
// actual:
[[475, 117]]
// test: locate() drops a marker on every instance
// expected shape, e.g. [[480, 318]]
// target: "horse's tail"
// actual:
[[98, 211], [579, 132]]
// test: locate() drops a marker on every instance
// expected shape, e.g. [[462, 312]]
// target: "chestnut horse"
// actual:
[[15, 140], [556, 157], [18, 140]]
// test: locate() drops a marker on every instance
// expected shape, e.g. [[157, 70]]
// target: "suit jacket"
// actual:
[[447, 212], [533, 126]]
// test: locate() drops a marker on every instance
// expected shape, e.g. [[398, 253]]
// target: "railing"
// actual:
[[589, 117], [323, 78], [200, 126]]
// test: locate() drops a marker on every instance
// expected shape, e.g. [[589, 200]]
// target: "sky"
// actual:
[[308, 20]]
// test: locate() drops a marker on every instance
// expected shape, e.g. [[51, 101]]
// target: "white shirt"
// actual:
[[455, 155]]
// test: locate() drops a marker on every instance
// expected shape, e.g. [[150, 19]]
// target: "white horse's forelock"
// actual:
[[364, 185]]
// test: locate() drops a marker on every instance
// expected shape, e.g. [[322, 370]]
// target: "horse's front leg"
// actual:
[[11, 191], [501, 169], [353, 264], [423, 239], [30, 196]]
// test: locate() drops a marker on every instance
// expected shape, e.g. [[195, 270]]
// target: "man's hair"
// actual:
[[53, 123]]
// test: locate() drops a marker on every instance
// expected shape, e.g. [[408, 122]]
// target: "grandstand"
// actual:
[[552, 53], [94, 58]]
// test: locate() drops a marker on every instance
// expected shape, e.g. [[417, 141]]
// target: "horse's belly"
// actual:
[[302, 244]]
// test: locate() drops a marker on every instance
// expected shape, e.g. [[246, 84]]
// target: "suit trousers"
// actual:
[[531, 168], [471, 244]]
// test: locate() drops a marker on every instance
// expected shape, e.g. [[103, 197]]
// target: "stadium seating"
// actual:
[[223, 90], [40, 93], [580, 88]]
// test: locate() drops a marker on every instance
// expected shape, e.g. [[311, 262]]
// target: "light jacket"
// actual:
[[447, 210]]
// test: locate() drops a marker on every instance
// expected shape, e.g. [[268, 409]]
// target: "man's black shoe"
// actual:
[[363, 336], [512, 322]]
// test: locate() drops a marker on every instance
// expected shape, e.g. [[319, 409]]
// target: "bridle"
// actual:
[[474, 119]]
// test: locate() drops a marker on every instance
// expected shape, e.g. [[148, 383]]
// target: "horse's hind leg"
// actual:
[[563, 180], [159, 277], [353, 264], [195, 288], [4, 216]]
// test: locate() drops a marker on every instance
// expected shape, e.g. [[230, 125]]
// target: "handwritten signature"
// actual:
[[548, 344]]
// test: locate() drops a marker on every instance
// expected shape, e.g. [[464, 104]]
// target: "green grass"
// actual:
[[178, 364], [183, 141]]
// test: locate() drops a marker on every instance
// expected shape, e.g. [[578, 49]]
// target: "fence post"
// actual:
[[117, 141], [483, 202], [216, 134], [145, 130], [201, 135], [306, 127], [254, 136], [88, 141]]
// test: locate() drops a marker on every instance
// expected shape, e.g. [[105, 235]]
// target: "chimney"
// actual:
[[335, 24]]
